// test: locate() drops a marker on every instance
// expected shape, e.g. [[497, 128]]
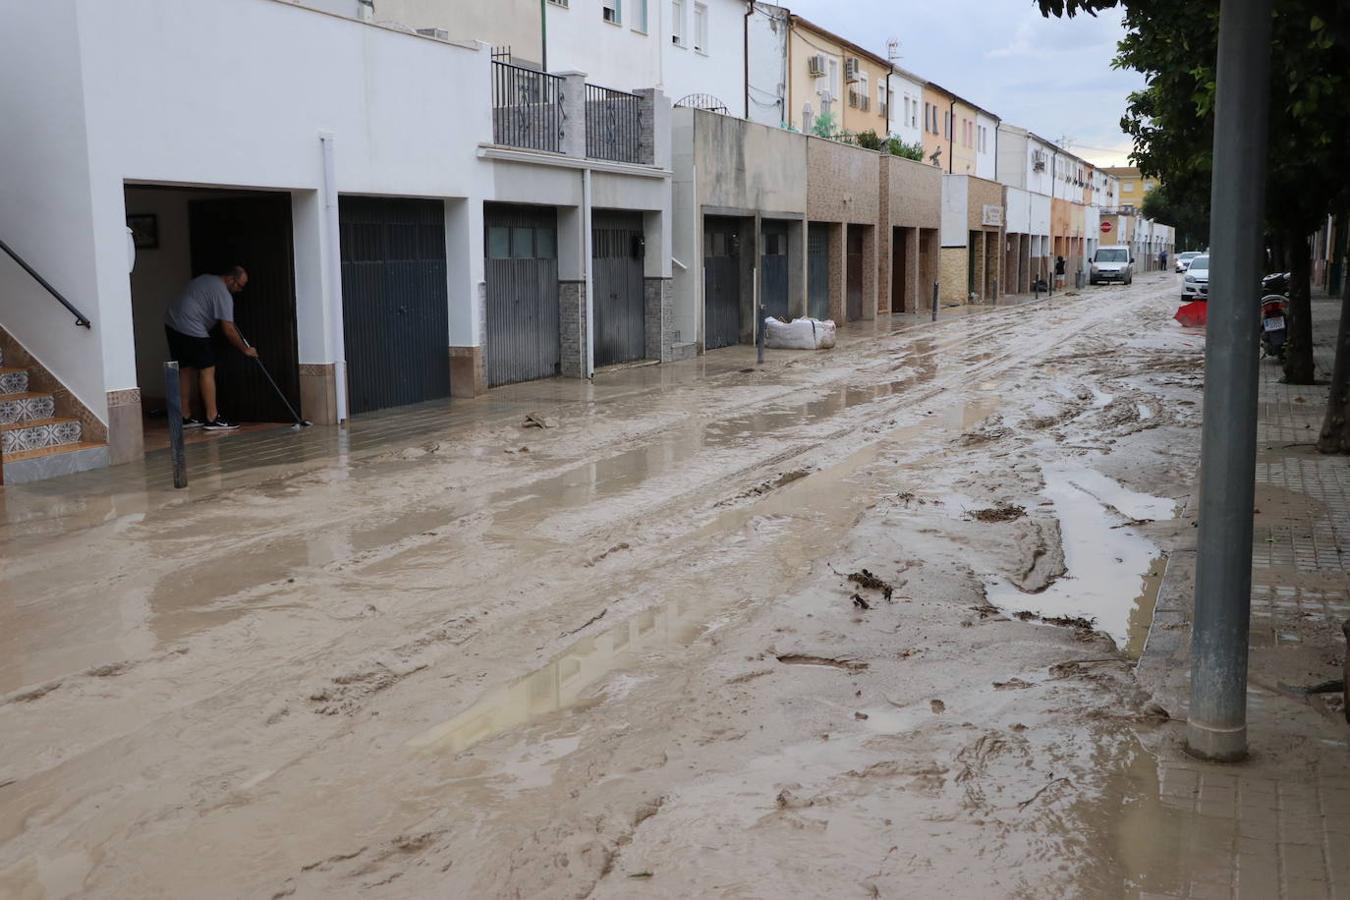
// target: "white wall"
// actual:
[[1039, 213], [45, 207], [624, 58], [244, 109], [767, 35], [159, 274], [986, 165], [1013, 161], [955, 213], [908, 130], [1017, 217]]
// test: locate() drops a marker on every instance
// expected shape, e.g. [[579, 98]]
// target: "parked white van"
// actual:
[[1112, 264]]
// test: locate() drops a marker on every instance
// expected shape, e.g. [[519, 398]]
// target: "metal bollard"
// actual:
[[935, 300], [759, 336], [174, 402]]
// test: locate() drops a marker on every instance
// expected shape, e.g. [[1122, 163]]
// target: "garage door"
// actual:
[[522, 340], [721, 283], [395, 317], [620, 308], [818, 271], [774, 269], [853, 291]]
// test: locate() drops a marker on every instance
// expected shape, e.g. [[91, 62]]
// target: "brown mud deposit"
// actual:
[[625, 663]]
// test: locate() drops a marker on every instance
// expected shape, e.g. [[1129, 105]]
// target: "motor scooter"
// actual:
[[1274, 329]]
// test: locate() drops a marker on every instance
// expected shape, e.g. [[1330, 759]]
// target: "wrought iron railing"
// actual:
[[613, 125], [80, 318], [527, 108]]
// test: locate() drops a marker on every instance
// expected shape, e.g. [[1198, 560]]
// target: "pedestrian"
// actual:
[[207, 300], [1162, 260], [1059, 271]]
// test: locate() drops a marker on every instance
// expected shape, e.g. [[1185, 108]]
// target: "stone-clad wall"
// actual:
[[572, 327], [843, 183], [914, 193]]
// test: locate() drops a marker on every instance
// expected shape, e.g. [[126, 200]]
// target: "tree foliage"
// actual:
[[1185, 210]]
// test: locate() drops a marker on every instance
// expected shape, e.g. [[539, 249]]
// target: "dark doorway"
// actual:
[[618, 252], [523, 329], [721, 283], [395, 306], [972, 248], [854, 274], [818, 270], [774, 270], [254, 232], [901, 248]]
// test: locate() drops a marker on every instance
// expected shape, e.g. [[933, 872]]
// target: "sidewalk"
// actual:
[[1277, 825]]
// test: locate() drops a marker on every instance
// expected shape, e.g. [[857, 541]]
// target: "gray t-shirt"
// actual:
[[204, 302]]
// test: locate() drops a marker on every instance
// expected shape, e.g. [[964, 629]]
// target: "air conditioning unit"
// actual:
[[852, 68], [817, 65]]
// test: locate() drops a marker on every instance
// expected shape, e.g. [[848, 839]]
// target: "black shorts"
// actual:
[[190, 352]]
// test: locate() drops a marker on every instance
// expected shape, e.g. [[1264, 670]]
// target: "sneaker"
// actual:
[[219, 423], [193, 422]]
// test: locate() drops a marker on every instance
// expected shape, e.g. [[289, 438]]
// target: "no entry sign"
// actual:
[[1106, 227]]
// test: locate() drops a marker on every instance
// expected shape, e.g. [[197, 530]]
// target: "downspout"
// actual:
[[951, 138], [587, 250], [543, 34], [749, 11], [787, 76]]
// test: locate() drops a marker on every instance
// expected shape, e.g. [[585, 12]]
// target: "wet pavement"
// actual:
[[442, 654]]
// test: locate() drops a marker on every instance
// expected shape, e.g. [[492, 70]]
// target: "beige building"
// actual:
[[827, 70], [1134, 187], [510, 26]]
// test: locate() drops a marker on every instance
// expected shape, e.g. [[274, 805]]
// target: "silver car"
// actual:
[[1184, 260], [1195, 283], [1112, 264]]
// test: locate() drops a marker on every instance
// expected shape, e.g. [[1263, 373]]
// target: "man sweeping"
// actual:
[[206, 301]]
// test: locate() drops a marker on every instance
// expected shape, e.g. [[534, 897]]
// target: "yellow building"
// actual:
[[1134, 187], [825, 68], [937, 125], [962, 161]]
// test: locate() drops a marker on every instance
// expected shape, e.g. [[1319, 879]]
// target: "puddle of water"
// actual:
[[561, 684], [1141, 613], [1102, 557]]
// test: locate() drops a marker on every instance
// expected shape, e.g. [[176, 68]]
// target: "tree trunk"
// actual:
[[1335, 436], [1298, 351]]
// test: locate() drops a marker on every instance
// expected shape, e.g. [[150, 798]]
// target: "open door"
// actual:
[[253, 232]]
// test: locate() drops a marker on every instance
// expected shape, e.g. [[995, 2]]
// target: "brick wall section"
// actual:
[[954, 275], [656, 296], [911, 197], [988, 263], [886, 238], [572, 327], [914, 193], [843, 183]]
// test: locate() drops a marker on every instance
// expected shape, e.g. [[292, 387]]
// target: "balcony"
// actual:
[[563, 114]]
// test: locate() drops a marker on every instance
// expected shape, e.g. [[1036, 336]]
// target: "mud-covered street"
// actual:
[[857, 623]]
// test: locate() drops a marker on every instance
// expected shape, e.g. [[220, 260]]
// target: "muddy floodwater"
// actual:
[[853, 623]]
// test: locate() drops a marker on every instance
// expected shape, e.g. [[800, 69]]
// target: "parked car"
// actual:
[[1184, 260], [1112, 264], [1195, 283]]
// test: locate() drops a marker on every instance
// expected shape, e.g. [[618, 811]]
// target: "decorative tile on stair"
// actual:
[[26, 407], [39, 434], [14, 381]]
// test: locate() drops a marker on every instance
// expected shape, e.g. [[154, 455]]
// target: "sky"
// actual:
[[1051, 76]]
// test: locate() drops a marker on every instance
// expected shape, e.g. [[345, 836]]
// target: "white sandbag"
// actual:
[[799, 334]]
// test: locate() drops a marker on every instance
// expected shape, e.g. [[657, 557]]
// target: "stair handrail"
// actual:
[[80, 318]]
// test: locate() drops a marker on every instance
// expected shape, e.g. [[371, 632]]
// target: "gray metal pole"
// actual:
[[935, 300], [174, 404], [1217, 724]]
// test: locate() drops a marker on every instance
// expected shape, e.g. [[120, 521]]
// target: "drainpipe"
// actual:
[[333, 240], [745, 29], [951, 138], [587, 250]]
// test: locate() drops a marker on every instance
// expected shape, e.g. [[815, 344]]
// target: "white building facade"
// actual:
[[906, 110]]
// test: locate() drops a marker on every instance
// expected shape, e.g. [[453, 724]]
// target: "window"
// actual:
[[947, 124], [522, 242], [700, 28], [881, 100], [499, 242], [562, 3], [914, 114], [834, 78], [1127, 187], [640, 16], [613, 11], [677, 22]]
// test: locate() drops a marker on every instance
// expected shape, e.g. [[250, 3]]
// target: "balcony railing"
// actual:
[[613, 125], [527, 108]]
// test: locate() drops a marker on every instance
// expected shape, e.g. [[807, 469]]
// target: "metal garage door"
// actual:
[[620, 308], [395, 316], [853, 290], [721, 283], [522, 341], [774, 270], [818, 271]]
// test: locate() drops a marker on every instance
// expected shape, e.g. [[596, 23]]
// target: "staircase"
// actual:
[[35, 442]]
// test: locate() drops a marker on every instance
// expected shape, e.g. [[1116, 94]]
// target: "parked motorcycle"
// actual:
[[1273, 324]]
